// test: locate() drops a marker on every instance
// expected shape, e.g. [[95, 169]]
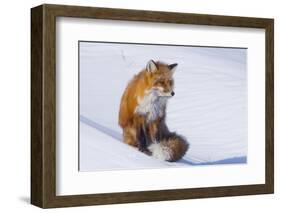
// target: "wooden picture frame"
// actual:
[[43, 105]]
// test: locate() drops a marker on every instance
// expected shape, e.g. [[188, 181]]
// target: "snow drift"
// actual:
[[209, 108]]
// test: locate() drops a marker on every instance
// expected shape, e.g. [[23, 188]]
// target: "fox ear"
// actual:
[[172, 67], [151, 66]]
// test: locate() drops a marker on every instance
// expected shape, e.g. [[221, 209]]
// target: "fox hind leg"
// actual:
[[136, 138], [130, 136]]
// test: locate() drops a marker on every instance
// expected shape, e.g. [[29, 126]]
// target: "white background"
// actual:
[[71, 181], [15, 105]]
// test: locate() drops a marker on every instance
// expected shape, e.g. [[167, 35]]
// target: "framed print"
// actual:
[[135, 106]]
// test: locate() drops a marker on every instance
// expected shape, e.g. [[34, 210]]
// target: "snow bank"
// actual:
[[209, 108]]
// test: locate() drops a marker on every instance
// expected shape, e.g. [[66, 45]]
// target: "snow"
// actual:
[[209, 106], [108, 152]]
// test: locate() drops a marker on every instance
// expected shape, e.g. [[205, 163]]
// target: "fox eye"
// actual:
[[160, 82]]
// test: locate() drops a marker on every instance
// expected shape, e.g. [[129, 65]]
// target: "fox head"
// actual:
[[160, 78]]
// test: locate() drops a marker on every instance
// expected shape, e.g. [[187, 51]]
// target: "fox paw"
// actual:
[[145, 151]]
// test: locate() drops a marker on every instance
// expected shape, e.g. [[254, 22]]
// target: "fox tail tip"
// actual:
[[172, 148]]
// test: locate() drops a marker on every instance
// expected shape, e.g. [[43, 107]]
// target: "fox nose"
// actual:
[[172, 93]]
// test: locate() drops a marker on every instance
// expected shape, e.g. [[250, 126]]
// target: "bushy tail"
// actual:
[[172, 148]]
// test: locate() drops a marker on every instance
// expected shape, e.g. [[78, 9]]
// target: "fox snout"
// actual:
[[162, 93], [170, 94]]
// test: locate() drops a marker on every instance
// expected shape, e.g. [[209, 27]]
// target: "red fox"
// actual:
[[143, 111]]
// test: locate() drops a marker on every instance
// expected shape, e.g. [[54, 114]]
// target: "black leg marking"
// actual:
[[142, 141], [158, 136]]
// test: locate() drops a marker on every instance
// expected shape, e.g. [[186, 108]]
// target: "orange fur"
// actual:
[[131, 122], [136, 89]]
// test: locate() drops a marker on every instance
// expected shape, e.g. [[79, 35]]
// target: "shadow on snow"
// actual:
[[116, 135]]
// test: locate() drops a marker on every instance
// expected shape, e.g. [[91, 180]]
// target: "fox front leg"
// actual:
[[144, 140], [155, 132], [158, 135]]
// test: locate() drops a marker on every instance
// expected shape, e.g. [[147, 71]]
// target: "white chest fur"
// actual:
[[152, 106]]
